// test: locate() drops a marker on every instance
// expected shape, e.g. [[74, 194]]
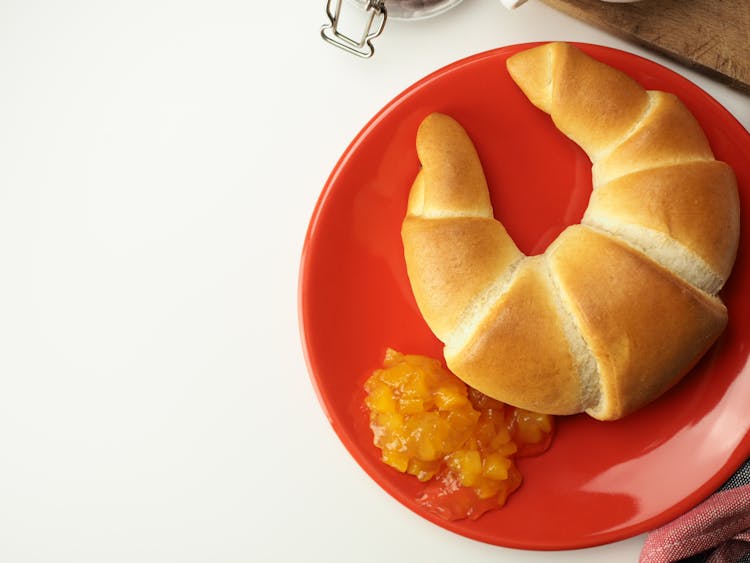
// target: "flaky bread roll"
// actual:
[[619, 308]]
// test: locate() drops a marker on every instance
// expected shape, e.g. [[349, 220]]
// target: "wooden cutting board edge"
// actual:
[[582, 14]]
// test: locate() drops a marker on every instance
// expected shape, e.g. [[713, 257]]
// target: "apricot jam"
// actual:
[[430, 424]]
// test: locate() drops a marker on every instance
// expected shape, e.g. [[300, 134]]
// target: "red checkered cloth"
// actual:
[[715, 531]]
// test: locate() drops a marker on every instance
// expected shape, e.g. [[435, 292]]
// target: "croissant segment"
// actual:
[[619, 308]]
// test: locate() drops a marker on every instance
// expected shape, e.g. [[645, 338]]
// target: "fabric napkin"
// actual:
[[715, 531]]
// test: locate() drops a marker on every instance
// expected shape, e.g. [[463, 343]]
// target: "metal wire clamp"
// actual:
[[374, 25]]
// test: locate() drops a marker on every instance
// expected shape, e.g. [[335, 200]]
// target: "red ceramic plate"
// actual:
[[599, 482]]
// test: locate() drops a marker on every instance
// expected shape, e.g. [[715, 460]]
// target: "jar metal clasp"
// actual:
[[362, 45]]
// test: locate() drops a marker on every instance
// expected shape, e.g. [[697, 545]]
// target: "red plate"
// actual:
[[600, 482]]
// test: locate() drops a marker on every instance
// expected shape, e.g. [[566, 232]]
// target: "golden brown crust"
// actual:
[[451, 262], [455, 250], [519, 350], [695, 204], [667, 134], [451, 168], [645, 326], [590, 102], [612, 315]]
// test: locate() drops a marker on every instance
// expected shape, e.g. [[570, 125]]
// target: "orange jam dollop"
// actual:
[[430, 424]]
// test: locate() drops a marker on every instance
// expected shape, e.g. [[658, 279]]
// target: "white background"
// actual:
[[159, 162]]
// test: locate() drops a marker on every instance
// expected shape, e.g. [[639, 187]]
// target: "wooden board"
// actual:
[[710, 36]]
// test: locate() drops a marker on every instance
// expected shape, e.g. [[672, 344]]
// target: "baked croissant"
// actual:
[[619, 308]]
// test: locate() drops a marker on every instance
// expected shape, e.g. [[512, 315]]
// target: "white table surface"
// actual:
[[159, 163]]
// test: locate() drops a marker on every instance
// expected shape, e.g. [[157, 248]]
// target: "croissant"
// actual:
[[619, 307]]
